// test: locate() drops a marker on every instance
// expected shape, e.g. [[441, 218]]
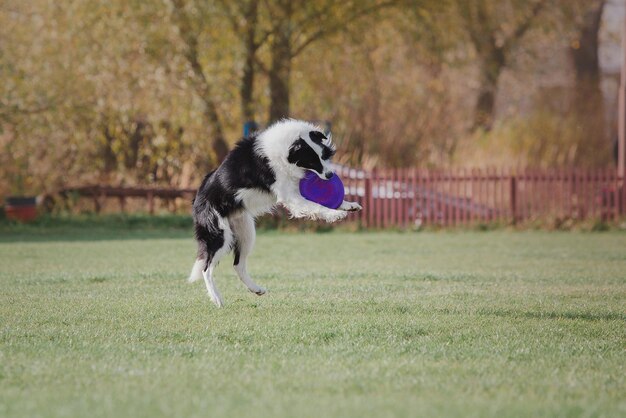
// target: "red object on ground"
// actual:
[[21, 209]]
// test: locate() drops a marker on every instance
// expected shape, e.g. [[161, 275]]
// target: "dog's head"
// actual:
[[312, 151]]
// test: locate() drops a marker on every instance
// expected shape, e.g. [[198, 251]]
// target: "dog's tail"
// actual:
[[196, 271]]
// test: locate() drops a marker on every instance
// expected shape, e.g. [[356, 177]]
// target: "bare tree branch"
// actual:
[[526, 24], [261, 65], [324, 31]]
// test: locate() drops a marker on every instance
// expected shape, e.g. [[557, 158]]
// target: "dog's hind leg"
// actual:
[[214, 241], [245, 234], [214, 294], [196, 270]]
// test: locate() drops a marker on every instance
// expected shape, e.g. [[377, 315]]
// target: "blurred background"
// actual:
[[153, 93]]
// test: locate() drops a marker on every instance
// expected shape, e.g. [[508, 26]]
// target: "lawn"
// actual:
[[102, 323]]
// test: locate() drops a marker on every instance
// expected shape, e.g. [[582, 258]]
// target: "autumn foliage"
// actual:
[[156, 91]]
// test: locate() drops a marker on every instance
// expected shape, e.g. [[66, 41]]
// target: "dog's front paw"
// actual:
[[350, 206], [334, 216]]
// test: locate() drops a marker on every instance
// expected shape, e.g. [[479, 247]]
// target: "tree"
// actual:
[[495, 28], [199, 80], [243, 16], [584, 51], [293, 26]]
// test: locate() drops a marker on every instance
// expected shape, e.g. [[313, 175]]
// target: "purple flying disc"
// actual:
[[327, 193]]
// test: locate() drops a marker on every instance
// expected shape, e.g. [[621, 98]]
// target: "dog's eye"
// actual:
[[296, 146]]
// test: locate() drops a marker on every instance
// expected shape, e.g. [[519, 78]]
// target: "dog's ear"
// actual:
[[317, 137]]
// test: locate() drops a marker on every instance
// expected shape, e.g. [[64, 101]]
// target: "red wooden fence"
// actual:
[[99, 194], [407, 198]]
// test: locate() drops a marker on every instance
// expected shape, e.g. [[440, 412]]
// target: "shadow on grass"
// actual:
[[584, 316], [91, 227]]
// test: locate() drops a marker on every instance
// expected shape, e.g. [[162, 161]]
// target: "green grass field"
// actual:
[[102, 323]]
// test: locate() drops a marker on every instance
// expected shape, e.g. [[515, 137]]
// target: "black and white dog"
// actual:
[[262, 171]]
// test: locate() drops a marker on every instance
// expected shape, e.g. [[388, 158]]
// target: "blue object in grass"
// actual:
[[329, 193]]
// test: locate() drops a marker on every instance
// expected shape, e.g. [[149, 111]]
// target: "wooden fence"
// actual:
[[99, 194], [408, 198]]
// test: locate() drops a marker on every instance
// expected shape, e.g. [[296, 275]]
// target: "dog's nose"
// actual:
[[328, 175]]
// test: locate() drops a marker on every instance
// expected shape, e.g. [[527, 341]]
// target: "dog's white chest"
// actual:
[[255, 201]]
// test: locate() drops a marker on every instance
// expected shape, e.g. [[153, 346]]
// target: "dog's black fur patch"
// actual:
[[209, 235], [243, 168], [237, 253], [302, 155], [317, 137], [327, 153]]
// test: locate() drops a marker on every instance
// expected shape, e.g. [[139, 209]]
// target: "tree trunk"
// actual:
[[247, 79], [108, 155], [484, 25], [202, 86], [279, 75], [585, 53], [247, 88], [485, 106], [491, 67], [216, 132], [137, 134], [218, 141], [588, 97]]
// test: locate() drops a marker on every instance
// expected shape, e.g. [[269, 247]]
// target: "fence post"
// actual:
[[366, 200], [513, 199], [99, 198], [151, 202], [96, 199]]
